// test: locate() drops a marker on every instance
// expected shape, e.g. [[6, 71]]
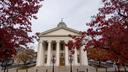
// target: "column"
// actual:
[[66, 55], [75, 60], [40, 54], [57, 53], [83, 57], [49, 54]]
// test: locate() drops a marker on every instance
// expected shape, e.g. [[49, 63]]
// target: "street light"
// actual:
[[53, 62], [70, 60]]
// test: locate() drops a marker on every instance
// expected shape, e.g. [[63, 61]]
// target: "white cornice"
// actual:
[[57, 28]]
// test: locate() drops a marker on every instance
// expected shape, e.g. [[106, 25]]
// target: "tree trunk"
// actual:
[[99, 64], [115, 69], [24, 63], [125, 70], [96, 69], [118, 67]]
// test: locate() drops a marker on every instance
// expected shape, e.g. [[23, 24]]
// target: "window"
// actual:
[[45, 61], [61, 46], [54, 47], [46, 46], [62, 54], [78, 58]]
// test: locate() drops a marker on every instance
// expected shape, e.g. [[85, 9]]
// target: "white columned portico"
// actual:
[[49, 53], [83, 57], [66, 54], [53, 45], [40, 56], [57, 53]]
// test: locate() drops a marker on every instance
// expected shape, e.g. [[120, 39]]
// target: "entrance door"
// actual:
[[62, 60]]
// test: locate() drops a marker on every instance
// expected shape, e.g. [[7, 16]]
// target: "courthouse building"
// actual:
[[52, 43]]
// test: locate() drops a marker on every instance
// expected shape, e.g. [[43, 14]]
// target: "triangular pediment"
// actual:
[[60, 31]]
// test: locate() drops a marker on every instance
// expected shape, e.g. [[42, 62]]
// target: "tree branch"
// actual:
[[120, 14]]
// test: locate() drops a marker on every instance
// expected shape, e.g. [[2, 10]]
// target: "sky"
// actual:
[[75, 13]]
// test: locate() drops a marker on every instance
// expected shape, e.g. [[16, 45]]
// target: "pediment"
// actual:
[[60, 32]]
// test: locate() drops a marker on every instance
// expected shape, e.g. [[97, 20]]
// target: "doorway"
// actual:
[[62, 60]]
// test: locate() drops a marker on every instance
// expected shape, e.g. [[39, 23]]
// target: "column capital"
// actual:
[[66, 41], [40, 41], [57, 41], [49, 41]]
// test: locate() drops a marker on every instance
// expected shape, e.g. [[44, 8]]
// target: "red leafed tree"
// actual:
[[76, 43], [109, 30], [98, 54], [15, 24]]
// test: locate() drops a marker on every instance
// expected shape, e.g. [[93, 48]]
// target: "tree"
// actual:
[[25, 55], [15, 24], [98, 54], [110, 25], [109, 30]]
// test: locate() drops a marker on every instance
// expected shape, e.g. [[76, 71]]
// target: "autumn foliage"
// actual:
[[15, 24], [76, 43], [25, 56], [108, 30], [98, 54]]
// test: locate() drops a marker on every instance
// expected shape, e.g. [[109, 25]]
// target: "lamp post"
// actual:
[[70, 60], [53, 62]]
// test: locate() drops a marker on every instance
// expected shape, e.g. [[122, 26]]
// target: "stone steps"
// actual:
[[63, 69], [57, 69], [66, 69]]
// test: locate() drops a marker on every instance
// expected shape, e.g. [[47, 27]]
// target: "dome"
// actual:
[[61, 24]]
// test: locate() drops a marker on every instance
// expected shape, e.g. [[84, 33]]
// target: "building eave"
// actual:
[[57, 28]]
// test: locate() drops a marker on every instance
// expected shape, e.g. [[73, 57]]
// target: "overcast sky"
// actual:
[[76, 14]]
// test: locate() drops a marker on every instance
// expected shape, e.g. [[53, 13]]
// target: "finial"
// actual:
[[62, 19], [61, 24]]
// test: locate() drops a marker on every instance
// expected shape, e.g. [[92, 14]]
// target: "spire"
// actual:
[[61, 23]]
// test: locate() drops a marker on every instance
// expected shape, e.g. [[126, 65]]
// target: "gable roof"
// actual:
[[61, 25]]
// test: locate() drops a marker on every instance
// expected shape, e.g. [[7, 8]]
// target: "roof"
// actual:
[[61, 25]]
